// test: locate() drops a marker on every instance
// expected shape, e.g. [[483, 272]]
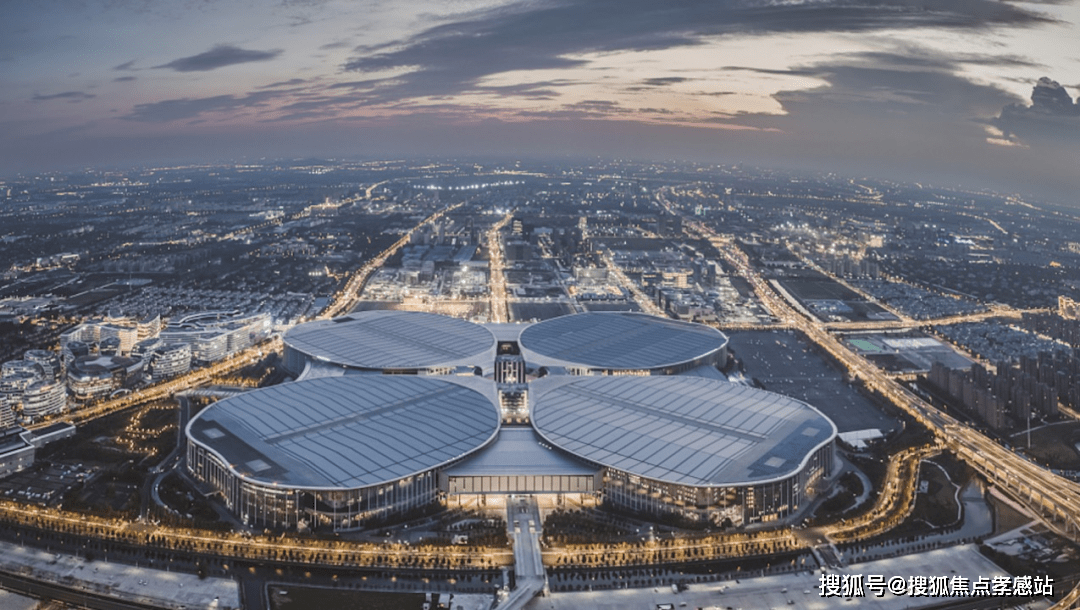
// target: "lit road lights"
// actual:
[[640, 297], [349, 294], [1053, 497], [895, 502], [258, 548], [500, 308], [673, 550], [892, 507], [166, 389]]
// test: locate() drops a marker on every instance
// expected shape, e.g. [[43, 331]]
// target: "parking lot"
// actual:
[[44, 485], [785, 365], [538, 310]]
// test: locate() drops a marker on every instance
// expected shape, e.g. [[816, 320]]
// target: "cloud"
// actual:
[[220, 56], [602, 105], [918, 88], [127, 65], [124, 79], [325, 106], [378, 91], [535, 90], [292, 82], [370, 83], [299, 20], [585, 109], [650, 84], [1053, 117], [455, 57], [909, 113], [71, 96], [189, 108], [1051, 98], [297, 116], [664, 81], [780, 72]]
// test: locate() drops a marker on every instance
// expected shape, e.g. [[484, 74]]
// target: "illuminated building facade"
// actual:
[[395, 411]]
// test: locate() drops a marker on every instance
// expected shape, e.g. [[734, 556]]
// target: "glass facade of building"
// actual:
[[282, 507]]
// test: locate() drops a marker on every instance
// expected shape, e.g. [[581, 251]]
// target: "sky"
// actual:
[[973, 92]]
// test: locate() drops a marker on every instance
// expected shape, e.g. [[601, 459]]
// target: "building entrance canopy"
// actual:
[[519, 462]]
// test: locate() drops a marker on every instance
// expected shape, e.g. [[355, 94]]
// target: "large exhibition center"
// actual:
[[396, 411]]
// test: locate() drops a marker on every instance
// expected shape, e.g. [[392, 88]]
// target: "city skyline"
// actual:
[[927, 91], [658, 382]]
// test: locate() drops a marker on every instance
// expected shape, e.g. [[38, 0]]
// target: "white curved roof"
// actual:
[[348, 432], [682, 430], [617, 340], [386, 339]]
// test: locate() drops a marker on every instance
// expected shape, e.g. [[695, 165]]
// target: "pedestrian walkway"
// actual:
[[828, 556], [216, 392], [525, 528]]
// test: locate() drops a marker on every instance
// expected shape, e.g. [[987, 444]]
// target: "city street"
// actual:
[[800, 591]]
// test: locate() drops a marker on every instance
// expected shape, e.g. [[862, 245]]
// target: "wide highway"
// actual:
[[1053, 497]]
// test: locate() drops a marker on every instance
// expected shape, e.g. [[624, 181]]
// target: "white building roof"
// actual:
[[617, 340], [683, 430], [348, 432], [385, 339]]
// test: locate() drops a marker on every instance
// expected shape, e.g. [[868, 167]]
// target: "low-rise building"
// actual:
[[170, 360], [52, 365], [16, 453], [42, 398], [8, 407], [97, 376], [18, 447], [213, 335]]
